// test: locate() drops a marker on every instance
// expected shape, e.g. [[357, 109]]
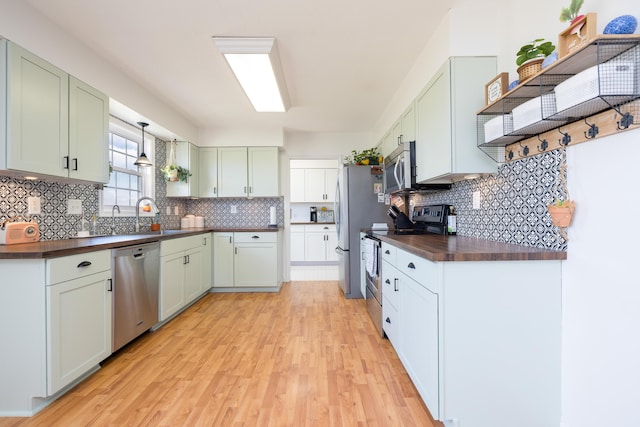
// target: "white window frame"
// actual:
[[147, 173]]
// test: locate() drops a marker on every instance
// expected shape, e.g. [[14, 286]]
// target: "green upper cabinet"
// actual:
[[232, 172], [263, 171], [445, 114], [55, 124]]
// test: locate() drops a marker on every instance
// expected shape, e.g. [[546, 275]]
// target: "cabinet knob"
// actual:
[[411, 265], [84, 264], [66, 162], [387, 320], [395, 285], [255, 237], [75, 164], [387, 252], [387, 282]]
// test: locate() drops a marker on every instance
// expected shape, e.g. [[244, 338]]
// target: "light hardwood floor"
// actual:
[[305, 356]]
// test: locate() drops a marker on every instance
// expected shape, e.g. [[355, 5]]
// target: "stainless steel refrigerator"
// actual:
[[356, 207]]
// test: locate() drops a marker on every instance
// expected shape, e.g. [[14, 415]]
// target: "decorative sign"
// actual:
[[579, 33], [496, 87]]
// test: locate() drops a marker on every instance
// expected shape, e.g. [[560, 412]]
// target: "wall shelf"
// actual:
[[613, 60]]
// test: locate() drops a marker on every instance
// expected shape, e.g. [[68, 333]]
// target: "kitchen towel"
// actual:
[[370, 258], [272, 216]]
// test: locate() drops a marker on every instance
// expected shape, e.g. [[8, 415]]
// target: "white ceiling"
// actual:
[[342, 59]]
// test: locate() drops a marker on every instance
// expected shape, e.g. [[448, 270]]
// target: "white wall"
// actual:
[[25, 26], [601, 286]]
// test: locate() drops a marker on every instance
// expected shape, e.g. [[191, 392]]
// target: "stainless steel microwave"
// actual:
[[399, 172]]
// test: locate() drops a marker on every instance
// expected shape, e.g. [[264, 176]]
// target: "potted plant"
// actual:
[[174, 173], [530, 56], [561, 212], [370, 156]]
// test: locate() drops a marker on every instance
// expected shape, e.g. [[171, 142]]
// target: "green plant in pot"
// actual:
[[174, 173], [530, 56], [370, 156]]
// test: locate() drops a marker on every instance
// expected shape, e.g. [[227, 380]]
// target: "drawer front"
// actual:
[[419, 269], [259, 237], [320, 228], [389, 253], [390, 284], [75, 266], [297, 228], [390, 321], [181, 244]]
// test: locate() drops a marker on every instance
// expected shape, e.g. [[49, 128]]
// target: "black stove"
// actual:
[[427, 219]]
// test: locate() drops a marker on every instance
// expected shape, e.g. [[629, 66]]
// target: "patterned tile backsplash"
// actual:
[[513, 204], [56, 224]]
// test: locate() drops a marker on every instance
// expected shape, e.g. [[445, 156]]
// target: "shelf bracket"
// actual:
[[593, 130]]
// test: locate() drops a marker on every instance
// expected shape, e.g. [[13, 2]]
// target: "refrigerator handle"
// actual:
[[336, 206]]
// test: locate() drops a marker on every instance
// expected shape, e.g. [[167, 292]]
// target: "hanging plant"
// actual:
[[561, 209], [174, 173]]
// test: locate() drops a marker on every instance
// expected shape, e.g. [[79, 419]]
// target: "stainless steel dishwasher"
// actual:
[[136, 282]]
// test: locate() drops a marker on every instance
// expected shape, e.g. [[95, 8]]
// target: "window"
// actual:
[[127, 182]]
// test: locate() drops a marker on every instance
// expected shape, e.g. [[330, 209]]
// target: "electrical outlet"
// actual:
[[74, 207], [168, 210], [176, 210], [33, 205], [476, 200], [234, 209]]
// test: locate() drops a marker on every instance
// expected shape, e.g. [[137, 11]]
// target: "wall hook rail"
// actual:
[[566, 138], [593, 130], [544, 144]]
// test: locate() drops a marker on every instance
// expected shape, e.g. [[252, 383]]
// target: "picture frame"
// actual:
[[496, 87], [578, 34]]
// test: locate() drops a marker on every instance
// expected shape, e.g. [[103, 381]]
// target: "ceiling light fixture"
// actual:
[[143, 160], [256, 64]]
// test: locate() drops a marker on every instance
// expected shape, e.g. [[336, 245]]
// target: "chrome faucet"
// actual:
[[113, 219], [153, 205]]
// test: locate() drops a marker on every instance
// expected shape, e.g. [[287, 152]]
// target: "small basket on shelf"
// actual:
[[529, 69]]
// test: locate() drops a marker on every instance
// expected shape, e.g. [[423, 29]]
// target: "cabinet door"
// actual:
[[193, 274], [38, 114], [388, 144], [172, 295], [396, 132], [187, 157], [297, 246], [207, 262], [409, 124], [222, 260], [264, 171], [296, 185], [208, 172], [88, 133], [78, 328], [256, 264], [433, 127], [332, 244], [314, 185], [315, 246], [330, 179], [419, 350], [232, 172]]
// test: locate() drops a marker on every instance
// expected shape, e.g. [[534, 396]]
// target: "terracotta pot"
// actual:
[[561, 216]]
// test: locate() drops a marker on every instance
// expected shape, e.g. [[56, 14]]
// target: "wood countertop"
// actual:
[[57, 248], [436, 247]]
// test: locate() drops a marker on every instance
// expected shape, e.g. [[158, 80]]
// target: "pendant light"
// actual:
[[143, 160]]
